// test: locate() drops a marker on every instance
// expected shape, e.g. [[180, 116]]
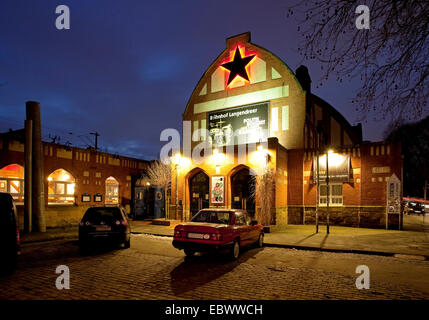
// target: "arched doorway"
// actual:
[[112, 191], [199, 192], [12, 181], [242, 183], [61, 187]]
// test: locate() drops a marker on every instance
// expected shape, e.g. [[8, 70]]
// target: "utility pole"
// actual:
[[96, 134]]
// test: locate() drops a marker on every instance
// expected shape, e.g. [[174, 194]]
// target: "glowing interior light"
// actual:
[[49, 178], [335, 159]]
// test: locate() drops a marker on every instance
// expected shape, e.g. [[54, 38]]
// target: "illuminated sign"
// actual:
[[339, 168], [239, 125], [237, 66]]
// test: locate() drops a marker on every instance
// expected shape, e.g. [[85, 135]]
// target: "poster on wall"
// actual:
[[339, 168], [238, 125], [218, 190], [86, 197]]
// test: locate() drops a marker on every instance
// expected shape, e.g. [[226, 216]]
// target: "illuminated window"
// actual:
[[335, 195], [61, 187], [112, 191], [12, 181]]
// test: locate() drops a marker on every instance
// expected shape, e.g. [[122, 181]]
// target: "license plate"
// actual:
[[195, 235], [103, 228]]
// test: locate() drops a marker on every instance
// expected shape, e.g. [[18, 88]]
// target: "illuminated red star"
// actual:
[[237, 67]]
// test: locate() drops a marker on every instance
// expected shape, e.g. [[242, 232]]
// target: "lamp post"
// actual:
[[176, 161]]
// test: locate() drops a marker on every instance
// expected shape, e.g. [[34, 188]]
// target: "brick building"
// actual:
[[248, 93], [74, 178]]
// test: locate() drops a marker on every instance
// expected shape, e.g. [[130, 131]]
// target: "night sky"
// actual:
[[127, 68]]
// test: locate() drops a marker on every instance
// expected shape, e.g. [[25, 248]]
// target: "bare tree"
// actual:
[[391, 57], [262, 189], [159, 174]]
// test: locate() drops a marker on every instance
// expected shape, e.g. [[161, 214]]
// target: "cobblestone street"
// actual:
[[153, 269]]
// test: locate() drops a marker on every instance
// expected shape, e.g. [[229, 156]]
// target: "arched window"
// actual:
[[112, 191], [61, 187], [12, 181]]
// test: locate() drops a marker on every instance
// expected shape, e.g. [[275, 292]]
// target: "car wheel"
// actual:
[[127, 244], [235, 250], [260, 242], [189, 252]]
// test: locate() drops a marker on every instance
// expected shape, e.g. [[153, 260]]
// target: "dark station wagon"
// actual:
[[220, 230], [101, 225]]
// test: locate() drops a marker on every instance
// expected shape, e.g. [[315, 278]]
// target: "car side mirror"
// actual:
[[253, 223]]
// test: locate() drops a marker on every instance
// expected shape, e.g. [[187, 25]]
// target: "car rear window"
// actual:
[[96, 215], [221, 217]]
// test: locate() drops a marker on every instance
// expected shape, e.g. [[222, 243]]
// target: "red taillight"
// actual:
[[216, 236], [178, 233], [18, 238], [117, 222]]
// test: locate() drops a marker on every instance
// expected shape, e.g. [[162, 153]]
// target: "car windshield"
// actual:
[[221, 217], [106, 215]]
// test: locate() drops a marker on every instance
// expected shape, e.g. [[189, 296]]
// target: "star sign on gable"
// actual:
[[237, 66]]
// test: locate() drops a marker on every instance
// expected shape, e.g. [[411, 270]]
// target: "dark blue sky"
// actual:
[[127, 68]]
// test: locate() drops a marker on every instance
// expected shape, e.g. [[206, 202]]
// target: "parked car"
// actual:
[[101, 225], [9, 233], [218, 230]]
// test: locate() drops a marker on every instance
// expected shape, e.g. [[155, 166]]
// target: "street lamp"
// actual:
[[177, 160]]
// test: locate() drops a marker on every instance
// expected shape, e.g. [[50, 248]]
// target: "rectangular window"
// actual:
[[285, 118], [335, 195], [274, 119], [70, 188], [59, 188]]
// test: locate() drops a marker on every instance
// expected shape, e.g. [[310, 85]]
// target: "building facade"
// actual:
[[255, 113], [74, 178]]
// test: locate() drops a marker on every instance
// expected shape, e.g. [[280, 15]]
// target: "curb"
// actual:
[[356, 251], [68, 237], [152, 234]]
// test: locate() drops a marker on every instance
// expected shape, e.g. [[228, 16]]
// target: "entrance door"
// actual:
[[241, 186], [139, 202], [199, 192], [144, 202]]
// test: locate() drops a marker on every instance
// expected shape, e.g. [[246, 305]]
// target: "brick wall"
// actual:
[[89, 168]]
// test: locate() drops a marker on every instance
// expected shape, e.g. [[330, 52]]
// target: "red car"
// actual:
[[218, 229]]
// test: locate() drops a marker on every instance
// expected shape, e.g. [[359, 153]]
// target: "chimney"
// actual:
[[304, 78]]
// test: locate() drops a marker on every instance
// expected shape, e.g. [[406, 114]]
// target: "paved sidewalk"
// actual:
[[50, 234], [340, 239]]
